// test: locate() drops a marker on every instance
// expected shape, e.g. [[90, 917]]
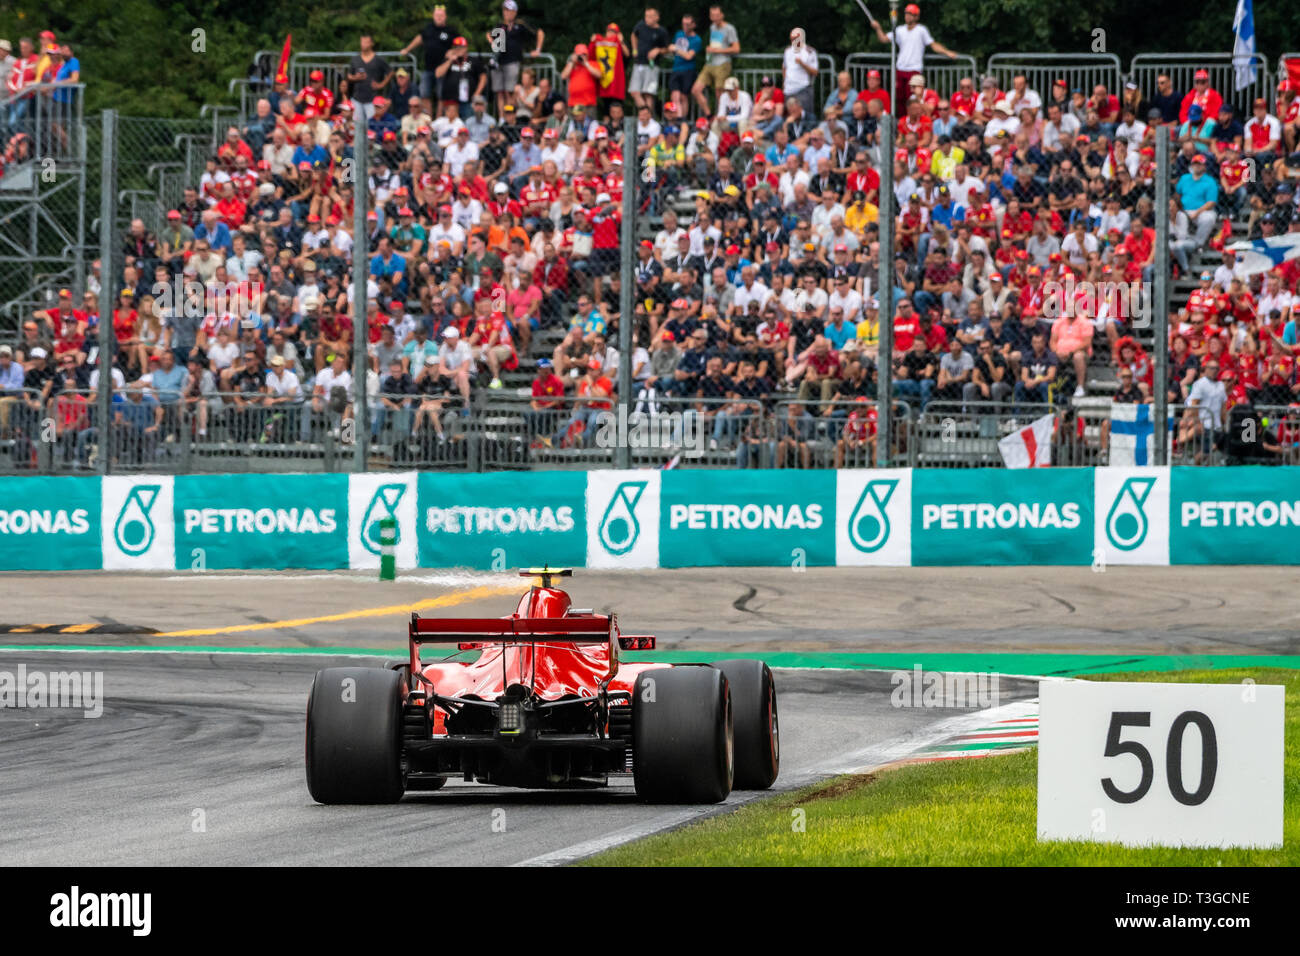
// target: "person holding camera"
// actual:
[[583, 76]]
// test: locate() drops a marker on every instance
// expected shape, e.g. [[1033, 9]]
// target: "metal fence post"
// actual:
[[107, 281], [1160, 302], [885, 297], [626, 240], [360, 298]]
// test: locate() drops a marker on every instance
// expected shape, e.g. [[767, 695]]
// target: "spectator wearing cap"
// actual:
[[1201, 94], [1262, 135], [1198, 194], [723, 44], [461, 79], [583, 76], [479, 123], [912, 40], [368, 76], [510, 40]]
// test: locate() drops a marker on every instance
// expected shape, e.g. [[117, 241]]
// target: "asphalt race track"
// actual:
[[198, 757], [222, 734]]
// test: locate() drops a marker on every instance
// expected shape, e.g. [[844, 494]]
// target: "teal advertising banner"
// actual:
[[261, 521], [1245, 515], [49, 524], [767, 518], [502, 521], [650, 518], [1002, 516]]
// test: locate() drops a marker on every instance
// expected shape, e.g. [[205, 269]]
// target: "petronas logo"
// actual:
[[382, 505], [869, 522], [134, 531], [1126, 524], [619, 528]]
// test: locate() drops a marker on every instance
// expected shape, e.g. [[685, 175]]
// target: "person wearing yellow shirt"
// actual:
[[860, 213], [868, 332], [943, 164], [45, 69]]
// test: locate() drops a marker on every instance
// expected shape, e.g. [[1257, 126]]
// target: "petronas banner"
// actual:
[[650, 519]]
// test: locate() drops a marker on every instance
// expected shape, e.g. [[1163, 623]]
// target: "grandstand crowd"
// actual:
[[1024, 228]]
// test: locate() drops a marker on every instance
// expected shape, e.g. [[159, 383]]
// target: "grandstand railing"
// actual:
[[750, 68], [52, 115], [1080, 70], [941, 74], [1181, 69]]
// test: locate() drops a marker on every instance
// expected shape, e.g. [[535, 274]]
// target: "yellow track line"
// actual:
[[447, 600]]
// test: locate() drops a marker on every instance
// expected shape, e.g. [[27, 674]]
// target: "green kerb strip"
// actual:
[[1048, 665]]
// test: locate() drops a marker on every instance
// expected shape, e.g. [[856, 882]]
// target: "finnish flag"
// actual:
[[1132, 434]]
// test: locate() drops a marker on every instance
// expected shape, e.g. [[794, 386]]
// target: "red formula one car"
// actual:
[[547, 704]]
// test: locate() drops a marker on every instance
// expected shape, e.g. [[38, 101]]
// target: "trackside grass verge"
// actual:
[[951, 813]]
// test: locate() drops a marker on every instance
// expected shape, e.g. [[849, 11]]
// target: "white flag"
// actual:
[[1243, 45], [1031, 447]]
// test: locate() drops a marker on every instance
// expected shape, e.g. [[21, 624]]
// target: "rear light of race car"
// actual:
[[510, 717]]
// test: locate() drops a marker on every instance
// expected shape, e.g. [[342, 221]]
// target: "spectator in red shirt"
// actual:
[[1202, 95], [874, 91], [583, 76]]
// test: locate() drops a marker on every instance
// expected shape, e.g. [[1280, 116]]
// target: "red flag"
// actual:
[[282, 71]]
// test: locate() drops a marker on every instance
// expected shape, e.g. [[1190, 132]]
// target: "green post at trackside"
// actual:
[[388, 549]]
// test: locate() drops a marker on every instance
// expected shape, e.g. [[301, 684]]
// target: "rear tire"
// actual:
[[757, 731], [682, 748], [354, 745]]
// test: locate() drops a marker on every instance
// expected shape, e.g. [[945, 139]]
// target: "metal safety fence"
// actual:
[[1181, 68], [941, 74]]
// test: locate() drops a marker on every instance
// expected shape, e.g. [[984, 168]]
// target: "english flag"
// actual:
[[282, 71], [1031, 447]]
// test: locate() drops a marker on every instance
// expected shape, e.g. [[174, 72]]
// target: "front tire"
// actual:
[[354, 746], [682, 744], [758, 736]]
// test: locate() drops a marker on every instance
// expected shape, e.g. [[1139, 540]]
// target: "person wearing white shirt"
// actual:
[[912, 39], [1078, 245], [824, 214], [1058, 124], [315, 238], [446, 128], [449, 231], [962, 185], [666, 238], [372, 290], [281, 382], [1131, 131], [734, 105], [466, 211], [1120, 154], [791, 177], [459, 152], [798, 69], [341, 242], [1020, 96], [846, 298], [749, 290], [561, 155]]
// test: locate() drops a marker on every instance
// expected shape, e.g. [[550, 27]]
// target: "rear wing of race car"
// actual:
[[468, 633]]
